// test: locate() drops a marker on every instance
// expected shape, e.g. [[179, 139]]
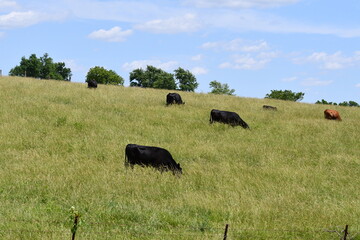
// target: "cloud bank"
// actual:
[[114, 34]]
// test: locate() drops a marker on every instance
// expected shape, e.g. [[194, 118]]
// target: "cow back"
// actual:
[[332, 114], [156, 157], [172, 98], [231, 118], [92, 84], [268, 107]]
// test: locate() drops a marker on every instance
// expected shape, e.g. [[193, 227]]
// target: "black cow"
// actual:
[[92, 84], [172, 98], [231, 118], [268, 107], [156, 157]]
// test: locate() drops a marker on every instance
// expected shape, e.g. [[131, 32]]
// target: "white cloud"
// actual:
[[289, 79], [246, 62], [249, 61], [2, 34], [114, 34], [74, 66], [173, 17], [166, 66], [198, 57], [186, 23], [357, 85], [237, 45], [239, 3], [27, 18], [19, 19], [251, 20], [123, 11], [315, 82], [333, 61], [199, 70], [5, 4]]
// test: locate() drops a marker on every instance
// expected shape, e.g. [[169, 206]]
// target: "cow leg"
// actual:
[[128, 164]]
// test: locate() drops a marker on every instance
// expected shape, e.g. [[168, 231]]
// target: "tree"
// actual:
[[348, 104], [285, 95], [63, 71], [325, 102], [219, 88], [42, 67], [103, 76], [138, 78], [186, 80], [48, 68], [152, 77], [164, 80]]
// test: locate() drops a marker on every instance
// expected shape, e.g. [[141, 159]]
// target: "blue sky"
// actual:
[[254, 46]]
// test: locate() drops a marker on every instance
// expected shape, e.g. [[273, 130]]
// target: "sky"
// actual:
[[254, 46]]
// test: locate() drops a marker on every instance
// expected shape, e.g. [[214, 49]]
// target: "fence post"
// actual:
[[75, 226], [346, 232], [226, 230]]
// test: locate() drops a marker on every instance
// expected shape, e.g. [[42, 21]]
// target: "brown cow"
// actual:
[[332, 114]]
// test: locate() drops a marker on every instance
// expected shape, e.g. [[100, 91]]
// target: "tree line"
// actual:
[[43, 68], [151, 77], [345, 103]]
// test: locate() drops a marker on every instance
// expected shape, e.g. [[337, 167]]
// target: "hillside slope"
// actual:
[[293, 175]]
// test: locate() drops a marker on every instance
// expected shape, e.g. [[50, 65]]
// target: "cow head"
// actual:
[[178, 169]]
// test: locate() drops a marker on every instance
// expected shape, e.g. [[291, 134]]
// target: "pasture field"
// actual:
[[293, 175]]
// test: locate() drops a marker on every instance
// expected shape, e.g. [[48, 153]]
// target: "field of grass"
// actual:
[[293, 175]]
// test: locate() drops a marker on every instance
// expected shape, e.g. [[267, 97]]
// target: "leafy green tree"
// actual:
[[165, 80], [152, 77], [186, 80], [42, 67], [346, 104], [219, 88], [103, 76], [285, 95], [325, 102], [349, 104], [48, 68], [138, 78], [63, 71], [353, 104], [28, 67]]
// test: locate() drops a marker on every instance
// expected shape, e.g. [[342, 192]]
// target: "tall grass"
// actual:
[[291, 176]]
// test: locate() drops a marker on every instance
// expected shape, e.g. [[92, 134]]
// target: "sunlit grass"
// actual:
[[62, 145]]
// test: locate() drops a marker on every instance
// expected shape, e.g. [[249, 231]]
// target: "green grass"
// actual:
[[293, 175]]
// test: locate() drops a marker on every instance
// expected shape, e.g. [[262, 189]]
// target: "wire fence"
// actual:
[[111, 230]]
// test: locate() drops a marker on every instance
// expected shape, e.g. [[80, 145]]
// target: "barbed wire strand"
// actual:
[[189, 230]]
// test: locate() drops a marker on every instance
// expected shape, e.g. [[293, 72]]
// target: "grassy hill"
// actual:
[[293, 175]]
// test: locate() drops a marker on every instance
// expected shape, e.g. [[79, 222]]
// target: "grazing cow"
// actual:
[[231, 118], [268, 107], [156, 157], [332, 114], [92, 84], [172, 98]]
